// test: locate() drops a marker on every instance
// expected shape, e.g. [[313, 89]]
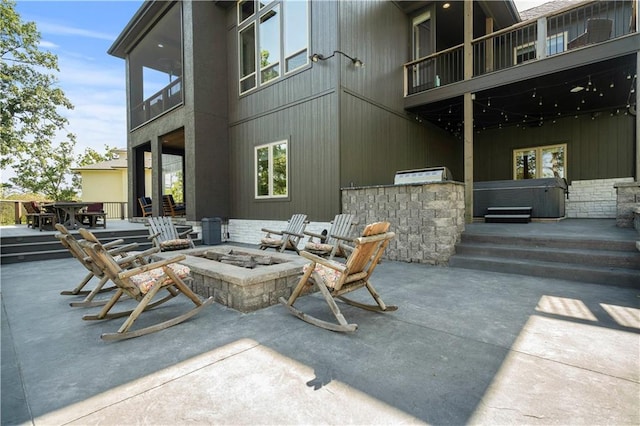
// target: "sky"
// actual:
[[80, 33]]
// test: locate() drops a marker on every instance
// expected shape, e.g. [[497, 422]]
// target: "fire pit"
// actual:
[[241, 278]]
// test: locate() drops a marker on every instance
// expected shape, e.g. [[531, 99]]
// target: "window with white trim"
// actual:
[[540, 162], [272, 170], [272, 41], [556, 43]]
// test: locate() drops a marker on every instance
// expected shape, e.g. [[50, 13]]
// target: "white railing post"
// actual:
[[541, 42]]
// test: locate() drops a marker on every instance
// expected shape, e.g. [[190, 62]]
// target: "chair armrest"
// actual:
[[112, 243], [343, 238], [326, 262], [271, 232], [137, 256], [185, 233], [135, 271], [292, 233], [314, 235], [124, 248]]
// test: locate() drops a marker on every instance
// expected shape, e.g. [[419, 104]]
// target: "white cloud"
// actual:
[[50, 28]]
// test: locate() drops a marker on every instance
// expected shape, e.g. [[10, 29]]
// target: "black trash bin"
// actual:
[[211, 231]]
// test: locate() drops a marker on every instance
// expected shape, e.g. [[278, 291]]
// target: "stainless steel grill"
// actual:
[[431, 174]]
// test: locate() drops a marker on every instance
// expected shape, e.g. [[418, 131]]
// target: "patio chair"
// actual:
[[335, 279], [598, 30], [123, 254], [171, 208], [166, 237], [145, 206], [142, 284], [33, 214], [330, 244], [289, 238], [93, 216]]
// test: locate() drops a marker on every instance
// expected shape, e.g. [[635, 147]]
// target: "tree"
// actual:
[[30, 107], [91, 156]]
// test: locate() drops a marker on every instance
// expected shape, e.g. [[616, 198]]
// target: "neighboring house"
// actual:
[[107, 181], [269, 110]]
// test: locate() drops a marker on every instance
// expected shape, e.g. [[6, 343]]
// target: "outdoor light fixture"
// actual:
[[319, 57], [577, 89]]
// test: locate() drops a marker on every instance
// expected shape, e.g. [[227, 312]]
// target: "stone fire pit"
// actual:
[[245, 289]]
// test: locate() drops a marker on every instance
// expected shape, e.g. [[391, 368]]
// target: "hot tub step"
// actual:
[[507, 218]]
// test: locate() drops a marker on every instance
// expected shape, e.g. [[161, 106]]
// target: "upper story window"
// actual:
[[273, 39], [556, 43], [155, 69]]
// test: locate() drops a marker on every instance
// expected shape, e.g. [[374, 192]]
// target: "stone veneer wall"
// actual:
[[428, 219], [591, 199], [628, 201]]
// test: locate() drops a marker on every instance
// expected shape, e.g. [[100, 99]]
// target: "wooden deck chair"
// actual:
[[123, 254], [331, 244], [171, 208], [145, 206], [33, 214], [141, 283], [166, 237], [289, 238], [335, 279]]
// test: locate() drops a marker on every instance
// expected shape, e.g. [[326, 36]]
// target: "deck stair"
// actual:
[[508, 215], [577, 258], [45, 246]]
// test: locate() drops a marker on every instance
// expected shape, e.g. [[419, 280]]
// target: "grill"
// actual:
[[432, 174]]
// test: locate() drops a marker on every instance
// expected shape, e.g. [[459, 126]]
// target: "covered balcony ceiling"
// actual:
[[606, 87]]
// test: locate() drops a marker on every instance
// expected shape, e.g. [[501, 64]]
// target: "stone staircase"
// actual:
[[45, 246], [570, 258]]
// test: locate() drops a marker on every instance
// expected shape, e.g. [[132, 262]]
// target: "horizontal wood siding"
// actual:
[[599, 148]]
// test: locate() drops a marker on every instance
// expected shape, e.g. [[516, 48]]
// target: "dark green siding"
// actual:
[[598, 148]]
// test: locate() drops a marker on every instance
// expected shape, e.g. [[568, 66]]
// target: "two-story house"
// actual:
[[273, 106]]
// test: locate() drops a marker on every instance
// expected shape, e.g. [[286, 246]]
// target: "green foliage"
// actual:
[[29, 111], [176, 189], [91, 156]]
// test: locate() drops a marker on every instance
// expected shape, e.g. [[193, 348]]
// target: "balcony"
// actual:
[[158, 103], [533, 40]]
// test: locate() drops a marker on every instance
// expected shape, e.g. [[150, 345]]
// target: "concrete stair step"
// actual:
[[621, 277], [605, 258], [578, 242]]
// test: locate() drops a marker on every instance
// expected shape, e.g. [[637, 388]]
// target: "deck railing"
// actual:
[[555, 33], [15, 209], [158, 103]]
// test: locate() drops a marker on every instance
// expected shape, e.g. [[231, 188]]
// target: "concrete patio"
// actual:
[[465, 347]]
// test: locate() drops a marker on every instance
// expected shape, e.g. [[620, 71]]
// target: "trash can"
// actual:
[[211, 230]]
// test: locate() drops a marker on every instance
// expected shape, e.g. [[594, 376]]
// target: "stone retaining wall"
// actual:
[[628, 200], [428, 219], [595, 198]]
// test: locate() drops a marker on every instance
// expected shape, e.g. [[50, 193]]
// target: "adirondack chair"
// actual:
[[142, 284], [329, 244], [165, 236], [289, 238], [335, 279], [122, 253], [145, 206], [171, 208]]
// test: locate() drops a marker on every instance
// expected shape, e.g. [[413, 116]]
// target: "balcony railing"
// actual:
[[14, 209], [158, 103], [561, 31]]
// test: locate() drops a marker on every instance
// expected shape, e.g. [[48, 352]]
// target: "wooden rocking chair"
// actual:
[[335, 279], [331, 244], [289, 238], [142, 284], [166, 237], [124, 256]]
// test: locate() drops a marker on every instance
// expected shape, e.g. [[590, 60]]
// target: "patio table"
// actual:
[[66, 212]]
